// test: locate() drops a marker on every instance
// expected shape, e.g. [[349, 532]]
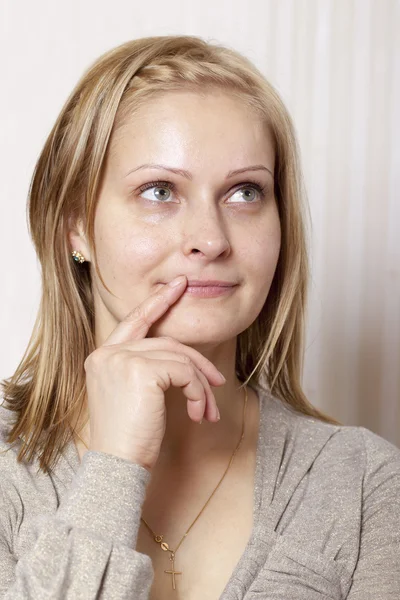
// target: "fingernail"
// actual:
[[218, 416], [222, 377], [200, 422], [177, 281]]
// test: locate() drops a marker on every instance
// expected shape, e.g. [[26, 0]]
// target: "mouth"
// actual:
[[209, 288], [209, 291]]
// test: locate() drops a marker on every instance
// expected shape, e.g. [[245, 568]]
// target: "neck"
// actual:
[[185, 441]]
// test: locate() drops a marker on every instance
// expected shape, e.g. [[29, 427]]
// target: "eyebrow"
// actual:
[[189, 176]]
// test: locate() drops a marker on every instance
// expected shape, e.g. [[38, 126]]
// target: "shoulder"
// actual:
[[8, 452], [25, 490], [353, 448], [18, 477], [11, 472], [356, 435], [335, 499], [371, 450], [350, 471]]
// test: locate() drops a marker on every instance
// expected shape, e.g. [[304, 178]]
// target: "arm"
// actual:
[[87, 548], [377, 574]]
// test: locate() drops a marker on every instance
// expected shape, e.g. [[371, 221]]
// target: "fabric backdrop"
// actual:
[[336, 64]]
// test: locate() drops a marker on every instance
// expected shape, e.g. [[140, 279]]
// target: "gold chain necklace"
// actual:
[[159, 538]]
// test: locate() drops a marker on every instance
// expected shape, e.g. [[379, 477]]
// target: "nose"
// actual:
[[204, 232]]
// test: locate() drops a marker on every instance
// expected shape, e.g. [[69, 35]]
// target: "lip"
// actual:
[[209, 288], [209, 282], [206, 283], [208, 291]]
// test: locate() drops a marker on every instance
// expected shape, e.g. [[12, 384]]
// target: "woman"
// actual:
[[166, 211]]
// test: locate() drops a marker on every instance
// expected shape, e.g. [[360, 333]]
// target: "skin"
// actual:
[[208, 227]]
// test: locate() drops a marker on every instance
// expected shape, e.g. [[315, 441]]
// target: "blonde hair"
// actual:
[[49, 384]]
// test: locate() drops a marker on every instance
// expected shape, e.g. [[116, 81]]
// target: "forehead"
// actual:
[[184, 128]]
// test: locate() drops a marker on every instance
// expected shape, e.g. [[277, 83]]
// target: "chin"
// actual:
[[199, 334]]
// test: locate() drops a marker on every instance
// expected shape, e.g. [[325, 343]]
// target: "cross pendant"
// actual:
[[173, 572]]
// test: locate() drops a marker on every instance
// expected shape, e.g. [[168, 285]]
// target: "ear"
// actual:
[[77, 238]]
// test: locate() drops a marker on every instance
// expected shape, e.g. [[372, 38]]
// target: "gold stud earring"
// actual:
[[78, 256]]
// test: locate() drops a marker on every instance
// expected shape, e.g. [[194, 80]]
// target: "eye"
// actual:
[[259, 192], [162, 196], [160, 186]]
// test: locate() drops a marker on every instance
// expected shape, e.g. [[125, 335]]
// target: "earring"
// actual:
[[78, 256]]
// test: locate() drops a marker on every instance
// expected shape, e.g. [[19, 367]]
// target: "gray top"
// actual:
[[326, 519]]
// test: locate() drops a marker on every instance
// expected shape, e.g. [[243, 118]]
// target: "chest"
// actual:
[[208, 555]]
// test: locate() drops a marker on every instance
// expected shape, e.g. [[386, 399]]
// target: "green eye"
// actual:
[[158, 185], [252, 188], [167, 185]]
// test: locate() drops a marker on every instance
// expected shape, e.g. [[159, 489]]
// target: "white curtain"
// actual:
[[341, 80]]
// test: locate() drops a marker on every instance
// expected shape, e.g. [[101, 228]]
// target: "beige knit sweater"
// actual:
[[326, 519]]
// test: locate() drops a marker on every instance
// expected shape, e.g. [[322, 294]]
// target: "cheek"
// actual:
[[271, 250], [141, 252], [261, 265], [130, 249], [261, 252], [142, 247]]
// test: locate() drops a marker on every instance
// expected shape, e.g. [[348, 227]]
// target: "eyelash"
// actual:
[[262, 190]]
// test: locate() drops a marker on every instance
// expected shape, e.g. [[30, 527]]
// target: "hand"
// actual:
[[127, 376]]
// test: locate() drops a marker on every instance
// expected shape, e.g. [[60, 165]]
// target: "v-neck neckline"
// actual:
[[270, 448], [269, 452], [70, 454]]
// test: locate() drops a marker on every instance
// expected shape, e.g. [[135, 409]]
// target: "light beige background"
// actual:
[[336, 64]]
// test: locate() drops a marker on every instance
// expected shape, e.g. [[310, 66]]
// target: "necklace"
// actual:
[[159, 538]]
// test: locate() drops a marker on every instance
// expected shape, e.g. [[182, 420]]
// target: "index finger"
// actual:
[[137, 323]]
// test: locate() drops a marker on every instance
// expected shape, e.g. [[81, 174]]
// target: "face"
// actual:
[[201, 220]]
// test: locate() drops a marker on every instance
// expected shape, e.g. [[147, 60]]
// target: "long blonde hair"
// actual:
[[49, 384]]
